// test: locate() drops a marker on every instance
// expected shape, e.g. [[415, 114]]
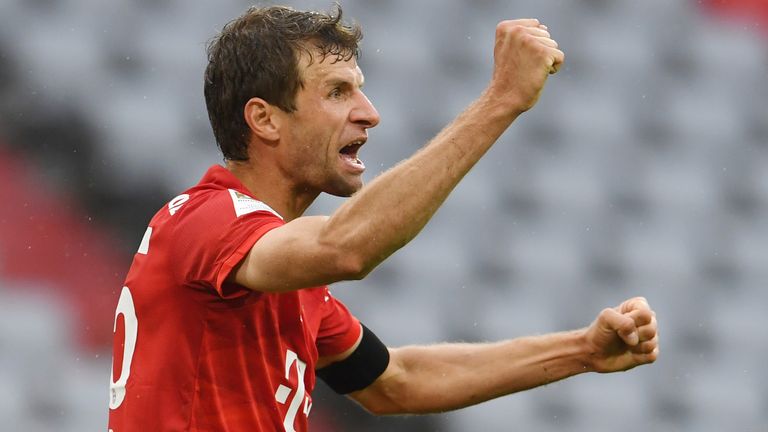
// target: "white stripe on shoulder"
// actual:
[[245, 204], [144, 246]]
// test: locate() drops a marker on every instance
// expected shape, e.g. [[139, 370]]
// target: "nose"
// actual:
[[364, 113]]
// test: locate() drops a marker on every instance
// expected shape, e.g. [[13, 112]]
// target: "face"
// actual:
[[322, 138]]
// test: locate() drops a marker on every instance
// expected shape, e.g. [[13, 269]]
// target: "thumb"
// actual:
[[622, 325]]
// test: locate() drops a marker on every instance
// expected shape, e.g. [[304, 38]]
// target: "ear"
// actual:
[[260, 118]]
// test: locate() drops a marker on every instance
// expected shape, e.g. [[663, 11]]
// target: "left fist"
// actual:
[[623, 337]]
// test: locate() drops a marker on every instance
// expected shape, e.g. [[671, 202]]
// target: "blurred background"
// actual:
[[643, 170]]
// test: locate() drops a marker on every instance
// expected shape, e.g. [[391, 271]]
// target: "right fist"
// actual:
[[524, 56]]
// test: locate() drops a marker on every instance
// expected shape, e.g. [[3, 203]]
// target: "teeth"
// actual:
[[348, 148]]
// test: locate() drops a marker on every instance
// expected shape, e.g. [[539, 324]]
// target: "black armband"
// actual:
[[360, 369]]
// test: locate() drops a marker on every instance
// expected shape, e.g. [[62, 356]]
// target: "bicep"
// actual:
[[293, 256], [327, 360]]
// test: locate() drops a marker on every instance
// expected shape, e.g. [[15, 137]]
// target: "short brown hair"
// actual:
[[257, 55]]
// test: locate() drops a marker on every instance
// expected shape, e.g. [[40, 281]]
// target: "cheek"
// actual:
[[315, 137], [310, 152]]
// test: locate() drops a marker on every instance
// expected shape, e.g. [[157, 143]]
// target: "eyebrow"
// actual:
[[338, 81]]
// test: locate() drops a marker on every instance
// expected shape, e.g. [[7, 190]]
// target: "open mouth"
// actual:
[[349, 155]]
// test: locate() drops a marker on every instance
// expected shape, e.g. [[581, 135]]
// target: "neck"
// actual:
[[273, 189]]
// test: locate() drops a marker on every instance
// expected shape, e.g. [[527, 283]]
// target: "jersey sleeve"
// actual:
[[339, 329], [211, 238]]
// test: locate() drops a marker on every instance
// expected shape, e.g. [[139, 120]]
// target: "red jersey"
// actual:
[[194, 352]]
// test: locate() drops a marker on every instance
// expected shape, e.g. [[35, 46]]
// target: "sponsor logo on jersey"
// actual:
[[245, 204]]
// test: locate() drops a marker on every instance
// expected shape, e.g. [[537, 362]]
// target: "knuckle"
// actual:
[[648, 333], [544, 52], [627, 329], [605, 313], [643, 316], [527, 39], [627, 326], [517, 31], [506, 27], [653, 356]]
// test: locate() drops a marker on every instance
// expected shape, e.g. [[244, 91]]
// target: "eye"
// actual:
[[335, 93]]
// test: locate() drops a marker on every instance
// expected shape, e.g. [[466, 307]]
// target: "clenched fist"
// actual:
[[524, 56], [623, 337]]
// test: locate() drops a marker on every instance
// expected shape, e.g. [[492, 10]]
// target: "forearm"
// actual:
[[386, 214], [451, 376]]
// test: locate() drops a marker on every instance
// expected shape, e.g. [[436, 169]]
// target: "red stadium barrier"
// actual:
[[754, 12], [48, 243]]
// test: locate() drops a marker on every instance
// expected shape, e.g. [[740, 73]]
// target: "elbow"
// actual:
[[340, 260], [349, 257], [375, 408], [380, 410], [352, 266]]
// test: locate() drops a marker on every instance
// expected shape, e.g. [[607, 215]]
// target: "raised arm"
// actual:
[[386, 214], [424, 379]]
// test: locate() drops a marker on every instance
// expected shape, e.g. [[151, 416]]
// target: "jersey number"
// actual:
[[126, 308], [282, 393]]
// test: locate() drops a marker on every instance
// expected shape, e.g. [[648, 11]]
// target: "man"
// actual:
[[225, 317]]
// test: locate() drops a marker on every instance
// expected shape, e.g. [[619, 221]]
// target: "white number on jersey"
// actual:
[[176, 203], [282, 393], [125, 307]]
